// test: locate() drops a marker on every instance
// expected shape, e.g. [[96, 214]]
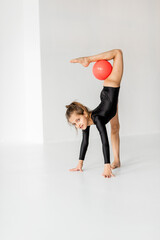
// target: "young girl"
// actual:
[[81, 117]]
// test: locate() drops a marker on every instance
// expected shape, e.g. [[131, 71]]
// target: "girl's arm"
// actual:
[[84, 146], [105, 146], [84, 143]]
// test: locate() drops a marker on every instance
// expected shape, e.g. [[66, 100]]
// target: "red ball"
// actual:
[[102, 69]]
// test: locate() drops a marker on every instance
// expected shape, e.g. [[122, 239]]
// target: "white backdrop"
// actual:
[[20, 73], [72, 29]]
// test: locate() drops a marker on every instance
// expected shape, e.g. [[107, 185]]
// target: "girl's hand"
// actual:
[[79, 167], [82, 60], [107, 171]]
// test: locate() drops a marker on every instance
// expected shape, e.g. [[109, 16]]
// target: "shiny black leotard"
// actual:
[[101, 115]]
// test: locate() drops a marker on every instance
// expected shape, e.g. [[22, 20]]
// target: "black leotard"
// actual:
[[101, 115]]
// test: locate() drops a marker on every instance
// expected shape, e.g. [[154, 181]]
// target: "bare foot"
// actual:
[[115, 164]]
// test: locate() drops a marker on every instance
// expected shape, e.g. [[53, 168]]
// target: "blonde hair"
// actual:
[[78, 108]]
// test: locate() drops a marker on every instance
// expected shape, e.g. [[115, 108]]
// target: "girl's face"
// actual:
[[79, 121]]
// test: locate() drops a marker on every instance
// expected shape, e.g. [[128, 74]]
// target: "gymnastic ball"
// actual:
[[102, 69]]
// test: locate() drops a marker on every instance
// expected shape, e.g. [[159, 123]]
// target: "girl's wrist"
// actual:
[[107, 165], [81, 161]]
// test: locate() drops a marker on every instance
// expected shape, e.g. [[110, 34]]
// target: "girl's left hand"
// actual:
[[82, 60], [107, 171]]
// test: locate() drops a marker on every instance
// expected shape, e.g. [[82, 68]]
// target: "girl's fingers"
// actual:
[[76, 169], [108, 176]]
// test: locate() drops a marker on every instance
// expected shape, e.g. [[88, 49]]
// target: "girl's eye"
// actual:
[[77, 120]]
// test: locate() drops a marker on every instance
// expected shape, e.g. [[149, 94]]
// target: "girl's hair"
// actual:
[[78, 108]]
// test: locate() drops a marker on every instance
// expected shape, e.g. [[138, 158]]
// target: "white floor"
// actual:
[[41, 199]]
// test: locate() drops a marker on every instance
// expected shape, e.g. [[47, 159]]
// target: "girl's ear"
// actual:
[[85, 114]]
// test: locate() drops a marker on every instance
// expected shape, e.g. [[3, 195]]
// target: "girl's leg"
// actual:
[[115, 139]]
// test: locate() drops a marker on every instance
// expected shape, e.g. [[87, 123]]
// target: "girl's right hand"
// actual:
[[79, 167], [82, 60]]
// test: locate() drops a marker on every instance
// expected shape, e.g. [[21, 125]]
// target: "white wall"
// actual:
[[72, 29], [20, 80], [32, 72], [12, 88]]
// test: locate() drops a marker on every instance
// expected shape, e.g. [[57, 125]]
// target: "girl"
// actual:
[[81, 117]]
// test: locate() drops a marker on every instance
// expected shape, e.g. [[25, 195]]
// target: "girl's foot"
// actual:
[[115, 164]]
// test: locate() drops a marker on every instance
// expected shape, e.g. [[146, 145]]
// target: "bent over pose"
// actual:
[[81, 117]]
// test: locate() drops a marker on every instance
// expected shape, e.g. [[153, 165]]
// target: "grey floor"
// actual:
[[41, 199]]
